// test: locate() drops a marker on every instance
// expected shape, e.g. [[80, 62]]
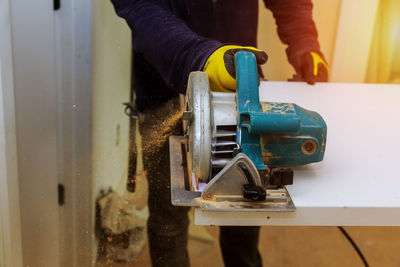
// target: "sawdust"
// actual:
[[158, 125], [162, 131]]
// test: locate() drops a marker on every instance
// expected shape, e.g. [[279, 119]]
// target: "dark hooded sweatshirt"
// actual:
[[171, 38]]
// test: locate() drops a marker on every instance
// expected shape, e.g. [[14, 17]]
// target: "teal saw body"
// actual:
[[274, 134]]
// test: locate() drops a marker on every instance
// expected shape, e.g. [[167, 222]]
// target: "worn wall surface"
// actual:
[[325, 14], [2, 259], [111, 83]]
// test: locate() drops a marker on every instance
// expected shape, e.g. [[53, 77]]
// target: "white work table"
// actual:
[[358, 182]]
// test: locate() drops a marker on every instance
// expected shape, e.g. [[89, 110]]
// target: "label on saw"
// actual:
[[278, 108]]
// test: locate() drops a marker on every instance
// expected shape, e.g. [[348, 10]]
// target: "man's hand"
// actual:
[[220, 66], [314, 68]]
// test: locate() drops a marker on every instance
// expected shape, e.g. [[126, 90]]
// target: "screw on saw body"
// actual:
[[309, 147], [209, 195]]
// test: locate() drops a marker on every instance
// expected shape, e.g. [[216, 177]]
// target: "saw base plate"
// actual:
[[277, 200]]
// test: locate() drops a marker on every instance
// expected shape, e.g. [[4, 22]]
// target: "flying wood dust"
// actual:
[[161, 132], [157, 126]]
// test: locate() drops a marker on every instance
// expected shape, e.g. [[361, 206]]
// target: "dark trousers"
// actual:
[[167, 224]]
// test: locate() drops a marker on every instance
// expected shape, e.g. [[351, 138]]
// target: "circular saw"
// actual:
[[238, 152]]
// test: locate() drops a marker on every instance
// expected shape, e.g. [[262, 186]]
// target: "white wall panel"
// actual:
[[36, 125]]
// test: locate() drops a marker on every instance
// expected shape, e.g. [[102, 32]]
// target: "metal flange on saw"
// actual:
[[237, 152]]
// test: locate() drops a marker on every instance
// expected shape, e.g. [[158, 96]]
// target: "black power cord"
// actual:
[[357, 249]]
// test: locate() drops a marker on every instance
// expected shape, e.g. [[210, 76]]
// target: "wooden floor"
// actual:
[[300, 246]]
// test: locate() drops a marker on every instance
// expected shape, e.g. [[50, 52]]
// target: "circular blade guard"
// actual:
[[199, 126]]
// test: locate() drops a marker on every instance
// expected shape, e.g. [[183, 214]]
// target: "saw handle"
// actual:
[[248, 103], [247, 94]]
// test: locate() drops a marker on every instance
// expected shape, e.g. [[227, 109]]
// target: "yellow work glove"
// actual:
[[220, 66], [314, 68]]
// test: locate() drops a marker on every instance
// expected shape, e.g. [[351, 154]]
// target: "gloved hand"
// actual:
[[220, 66], [313, 68]]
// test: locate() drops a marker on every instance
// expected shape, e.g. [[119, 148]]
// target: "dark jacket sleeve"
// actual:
[[296, 27], [166, 41]]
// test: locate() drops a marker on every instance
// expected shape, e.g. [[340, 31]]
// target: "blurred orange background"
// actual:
[[360, 40]]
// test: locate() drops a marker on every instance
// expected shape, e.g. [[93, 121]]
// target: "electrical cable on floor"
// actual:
[[354, 246]]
